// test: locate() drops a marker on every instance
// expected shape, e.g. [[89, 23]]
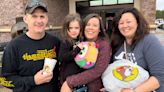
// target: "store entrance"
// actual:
[[108, 23], [107, 12]]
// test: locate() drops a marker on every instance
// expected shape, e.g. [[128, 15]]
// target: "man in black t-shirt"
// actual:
[[23, 58]]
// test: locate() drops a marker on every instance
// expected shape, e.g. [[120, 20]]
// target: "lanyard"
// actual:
[[126, 56]]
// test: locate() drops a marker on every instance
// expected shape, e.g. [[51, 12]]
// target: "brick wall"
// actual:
[[58, 9], [148, 8], [10, 9], [5, 37]]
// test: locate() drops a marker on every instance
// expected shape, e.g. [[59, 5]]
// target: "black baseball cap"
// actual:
[[33, 4]]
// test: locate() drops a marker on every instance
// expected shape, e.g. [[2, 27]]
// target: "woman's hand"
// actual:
[[102, 89], [126, 90], [65, 87]]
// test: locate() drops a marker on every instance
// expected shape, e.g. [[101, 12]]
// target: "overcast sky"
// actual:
[[160, 4]]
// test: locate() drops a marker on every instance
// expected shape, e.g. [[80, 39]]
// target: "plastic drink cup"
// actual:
[[49, 65]]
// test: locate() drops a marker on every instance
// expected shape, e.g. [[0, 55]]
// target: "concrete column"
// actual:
[[148, 9], [137, 4], [72, 5]]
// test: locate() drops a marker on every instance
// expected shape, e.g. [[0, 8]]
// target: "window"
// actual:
[[125, 1], [95, 2], [108, 2]]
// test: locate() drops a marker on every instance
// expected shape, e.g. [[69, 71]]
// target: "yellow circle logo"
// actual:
[[125, 73]]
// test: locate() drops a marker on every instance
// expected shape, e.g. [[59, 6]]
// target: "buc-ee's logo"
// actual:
[[125, 73]]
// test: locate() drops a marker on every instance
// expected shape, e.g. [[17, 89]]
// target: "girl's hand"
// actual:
[[80, 46]]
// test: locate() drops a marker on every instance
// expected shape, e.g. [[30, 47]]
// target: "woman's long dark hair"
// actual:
[[69, 18], [117, 38]]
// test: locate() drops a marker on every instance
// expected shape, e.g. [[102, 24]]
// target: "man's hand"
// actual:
[[41, 78]]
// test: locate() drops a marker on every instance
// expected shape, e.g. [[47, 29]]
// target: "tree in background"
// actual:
[[160, 14]]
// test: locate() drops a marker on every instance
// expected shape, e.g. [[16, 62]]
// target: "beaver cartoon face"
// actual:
[[125, 73], [46, 69]]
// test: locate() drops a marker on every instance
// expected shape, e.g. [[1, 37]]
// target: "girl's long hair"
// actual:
[[64, 33]]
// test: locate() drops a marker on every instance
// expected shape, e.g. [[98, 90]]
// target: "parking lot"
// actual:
[[160, 35]]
